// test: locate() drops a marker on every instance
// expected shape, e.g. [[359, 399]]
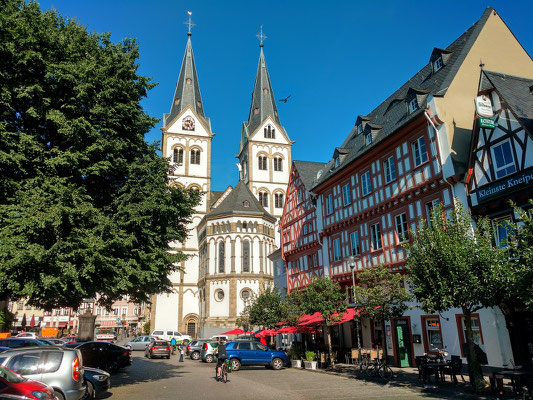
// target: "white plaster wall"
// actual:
[[219, 308], [166, 316], [190, 302], [252, 284]]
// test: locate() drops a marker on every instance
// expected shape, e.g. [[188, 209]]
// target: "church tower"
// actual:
[[187, 139], [265, 148]]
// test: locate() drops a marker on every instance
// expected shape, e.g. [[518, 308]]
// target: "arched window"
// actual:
[[269, 132], [263, 199], [278, 164], [195, 156], [246, 256], [262, 163], [177, 156], [278, 200], [221, 255]]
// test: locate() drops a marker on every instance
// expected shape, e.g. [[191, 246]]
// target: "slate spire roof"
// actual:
[[393, 112], [241, 201], [308, 171], [263, 101], [187, 88]]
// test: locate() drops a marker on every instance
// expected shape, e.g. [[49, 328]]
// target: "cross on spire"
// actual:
[[189, 23], [261, 37]]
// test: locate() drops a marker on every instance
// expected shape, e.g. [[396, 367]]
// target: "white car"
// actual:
[[31, 335], [168, 334]]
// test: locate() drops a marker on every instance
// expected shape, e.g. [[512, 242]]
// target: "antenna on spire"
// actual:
[[189, 23], [261, 37]]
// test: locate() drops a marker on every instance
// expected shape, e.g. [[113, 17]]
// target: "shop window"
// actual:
[[432, 333]]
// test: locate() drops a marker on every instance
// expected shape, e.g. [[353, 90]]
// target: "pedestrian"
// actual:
[[173, 345], [182, 350]]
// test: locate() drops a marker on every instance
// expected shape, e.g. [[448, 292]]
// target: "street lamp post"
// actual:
[[356, 318]]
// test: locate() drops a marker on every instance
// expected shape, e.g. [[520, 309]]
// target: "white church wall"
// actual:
[[219, 308], [166, 316]]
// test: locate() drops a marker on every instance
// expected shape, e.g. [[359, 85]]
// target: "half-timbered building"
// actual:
[[398, 162], [500, 171], [300, 244]]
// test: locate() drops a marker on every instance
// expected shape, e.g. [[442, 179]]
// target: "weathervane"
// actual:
[[261, 36], [189, 23]]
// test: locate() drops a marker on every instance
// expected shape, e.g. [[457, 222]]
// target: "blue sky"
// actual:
[[336, 59]]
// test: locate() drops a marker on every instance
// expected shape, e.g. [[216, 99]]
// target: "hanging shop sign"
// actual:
[[512, 183], [486, 123], [484, 106]]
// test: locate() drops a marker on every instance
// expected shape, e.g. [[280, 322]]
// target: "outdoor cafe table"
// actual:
[[438, 367], [516, 377]]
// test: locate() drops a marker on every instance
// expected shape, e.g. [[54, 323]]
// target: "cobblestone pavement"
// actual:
[[168, 379]]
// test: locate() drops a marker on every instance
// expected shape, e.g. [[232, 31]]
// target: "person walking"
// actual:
[[182, 350]]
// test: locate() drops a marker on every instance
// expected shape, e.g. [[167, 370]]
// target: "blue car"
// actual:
[[250, 352]]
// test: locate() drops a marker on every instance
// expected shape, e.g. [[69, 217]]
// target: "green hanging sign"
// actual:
[[486, 123]]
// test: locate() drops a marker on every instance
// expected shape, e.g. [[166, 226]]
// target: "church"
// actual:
[[233, 232]]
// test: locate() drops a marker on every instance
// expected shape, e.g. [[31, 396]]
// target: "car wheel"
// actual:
[[195, 355], [277, 363], [111, 367], [209, 358], [235, 364], [89, 391], [58, 395]]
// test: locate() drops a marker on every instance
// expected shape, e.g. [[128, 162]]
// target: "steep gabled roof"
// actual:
[[307, 171], [393, 113], [515, 91], [187, 89], [241, 201], [263, 101]]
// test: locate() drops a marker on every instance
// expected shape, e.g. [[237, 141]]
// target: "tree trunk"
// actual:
[[474, 367], [330, 347], [384, 344]]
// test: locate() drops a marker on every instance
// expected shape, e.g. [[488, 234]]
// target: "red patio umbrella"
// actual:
[[32, 321], [266, 332], [262, 340], [235, 331]]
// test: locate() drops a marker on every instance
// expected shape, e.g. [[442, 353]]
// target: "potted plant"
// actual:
[[310, 362], [295, 352]]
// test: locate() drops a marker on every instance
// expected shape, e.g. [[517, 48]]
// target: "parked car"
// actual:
[[2, 348], [57, 367], [140, 342], [251, 352], [167, 334], [31, 335], [208, 348], [97, 383], [54, 341], [12, 383], [14, 343], [194, 349], [103, 355], [158, 348], [70, 339]]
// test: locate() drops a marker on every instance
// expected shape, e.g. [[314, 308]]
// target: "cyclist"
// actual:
[[221, 354]]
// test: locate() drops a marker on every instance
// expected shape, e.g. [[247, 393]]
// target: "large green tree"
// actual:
[[327, 298], [381, 296], [266, 309], [85, 202], [452, 263]]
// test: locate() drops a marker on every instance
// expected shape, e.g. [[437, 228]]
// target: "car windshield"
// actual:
[[161, 343], [10, 376]]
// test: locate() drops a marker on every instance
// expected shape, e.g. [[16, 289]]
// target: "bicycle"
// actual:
[[378, 368], [224, 369]]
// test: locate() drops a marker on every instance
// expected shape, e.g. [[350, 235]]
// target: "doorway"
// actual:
[[403, 342]]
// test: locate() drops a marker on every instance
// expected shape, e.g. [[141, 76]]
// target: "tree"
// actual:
[[452, 263], [380, 296], [266, 309], [327, 298], [85, 204]]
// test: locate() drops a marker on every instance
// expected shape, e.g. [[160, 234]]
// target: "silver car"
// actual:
[[140, 342], [59, 368]]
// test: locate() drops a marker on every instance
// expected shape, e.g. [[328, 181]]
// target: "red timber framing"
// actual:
[[381, 217], [301, 249]]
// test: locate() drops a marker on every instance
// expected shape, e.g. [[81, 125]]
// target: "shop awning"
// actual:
[[317, 319]]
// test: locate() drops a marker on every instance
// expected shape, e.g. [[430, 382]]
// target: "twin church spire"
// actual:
[[187, 93]]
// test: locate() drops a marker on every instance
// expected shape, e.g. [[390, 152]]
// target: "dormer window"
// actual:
[[368, 138], [359, 129], [245, 204], [437, 64], [337, 161], [413, 105]]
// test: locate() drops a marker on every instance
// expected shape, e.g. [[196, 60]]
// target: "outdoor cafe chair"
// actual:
[[454, 369]]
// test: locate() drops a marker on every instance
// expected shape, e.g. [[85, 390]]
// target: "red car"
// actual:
[[14, 384], [70, 339]]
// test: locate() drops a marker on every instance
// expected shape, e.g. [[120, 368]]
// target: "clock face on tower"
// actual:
[[188, 124]]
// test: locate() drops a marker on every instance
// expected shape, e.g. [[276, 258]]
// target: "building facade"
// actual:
[[399, 161]]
